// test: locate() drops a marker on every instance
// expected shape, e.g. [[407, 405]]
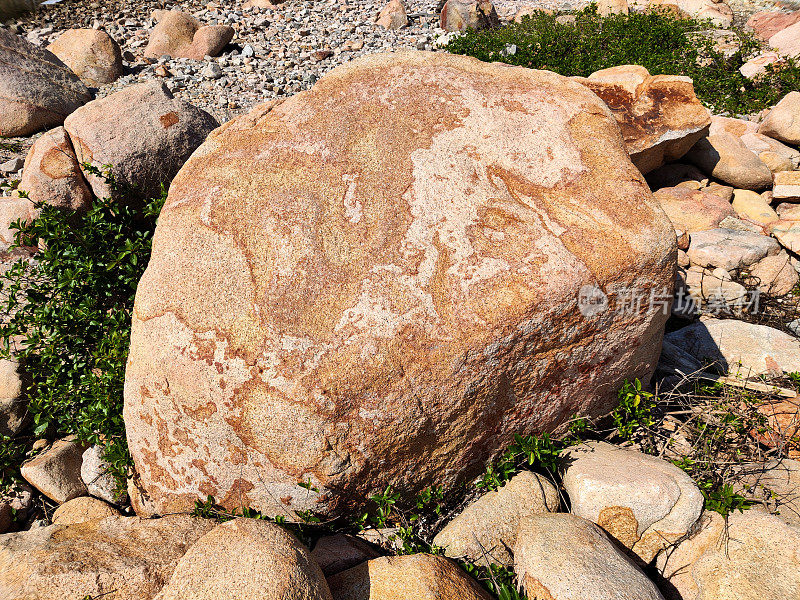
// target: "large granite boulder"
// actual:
[[37, 90], [93, 55], [382, 279]]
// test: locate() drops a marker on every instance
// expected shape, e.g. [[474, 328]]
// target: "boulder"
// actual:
[[612, 7], [246, 559], [13, 404], [95, 473], [737, 347], [52, 174], [37, 90], [787, 41], [13, 209], [693, 210], [393, 15], [564, 557], [783, 121], [788, 234], [82, 509], [718, 12], [757, 65], [787, 186], [485, 531], [117, 558], [730, 249], [770, 151], [56, 472], [339, 552], [777, 483], [407, 312], [458, 15], [13, 8], [736, 127], [142, 132], [709, 287], [725, 157], [15, 502], [92, 55], [644, 502], [417, 576], [788, 211], [750, 206], [180, 35], [775, 275], [746, 556], [767, 23], [659, 116]]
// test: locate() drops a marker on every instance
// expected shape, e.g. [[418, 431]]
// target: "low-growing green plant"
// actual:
[[498, 580], [658, 40], [634, 411], [12, 453]]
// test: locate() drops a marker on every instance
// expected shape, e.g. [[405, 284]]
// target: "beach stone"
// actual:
[[787, 186], [56, 472], [725, 157], [730, 249], [767, 23], [750, 206], [179, 35], [775, 275], [339, 552], [757, 65], [91, 54], [393, 15], [787, 41], [783, 121], [458, 15], [82, 509], [693, 210], [13, 403]]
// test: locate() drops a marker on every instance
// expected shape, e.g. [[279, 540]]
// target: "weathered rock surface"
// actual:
[[91, 54], [96, 474], [339, 552], [405, 312], [36, 89], [180, 35], [693, 210], [757, 65], [142, 131], [720, 13], [564, 557], [770, 150], [486, 530], [82, 509], [56, 472], [13, 404], [767, 23], [52, 173], [775, 275], [748, 556], [739, 347], [659, 116], [725, 157], [730, 249], [644, 502], [708, 286], [777, 482], [787, 186], [393, 15], [458, 15], [787, 41], [246, 559], [418, 576], [751, 206], [118, 558], [13, 209], [783, 121]]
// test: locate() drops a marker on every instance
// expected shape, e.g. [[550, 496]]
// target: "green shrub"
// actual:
[[659, 41], [71, 307]]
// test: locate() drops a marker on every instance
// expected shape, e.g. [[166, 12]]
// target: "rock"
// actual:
[[338, 552], [788, 211], [782, 122], [738, 347], [56, 472], [418, 576], [91, 54], [82, 509], [13, 209], [180, 35], [458, 15], [787, 41], [718, 13], [644, 502], [693, 210], [565, 557], [750, 206], [775, 275], [787, 186], [767, 23], [386, 538], [788, 234], [394, 362], [723, 191], [37, 90], [116, 558], [765, 148], [659, 116], [246, 559], [12, 165], [485, 530], [52, 173], [211, 71], [612, 7], [736, 127], [15, 502], [730, 249], [139, 499], [393, 15], [757, 65], [725, 157], [709, 288], [527, 10], [777, 483], [781, 426], [142, 132], [748, 556], [13, 404], [95, 474]]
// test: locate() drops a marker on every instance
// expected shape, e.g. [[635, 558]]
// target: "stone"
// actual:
[[764, 146], [418, 576], [787, 186], [52, 174], [788, 211], [781, 426], [12, 165], [757, 65], [710, 287], [56, 472], [746, 556], [736, 127], [644, 502], [139, 499], [15, 502], [13, 209], [339, 552], [787, 41], [246, 559], [788, 234], [719, 13], [723, 191], [82, 509], [13, 404], [458, 15], [37, 90], [775, 275], [116, 558], [659, 116], [143, 132], [750, 206], [730, 249], [607, 8], [564, 557], [783, 121], [693, 210], [737, 347], [95, 473], [725, 157], [393, 15], [393, 361], [180, 35], [777, 484], [485, 530], [91, 54], [767, 23]]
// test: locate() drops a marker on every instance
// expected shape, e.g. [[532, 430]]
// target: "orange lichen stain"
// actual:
[[203, 412], [169, 119]]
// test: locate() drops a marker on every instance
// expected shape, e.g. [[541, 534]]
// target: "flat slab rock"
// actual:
[[730, 249]]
